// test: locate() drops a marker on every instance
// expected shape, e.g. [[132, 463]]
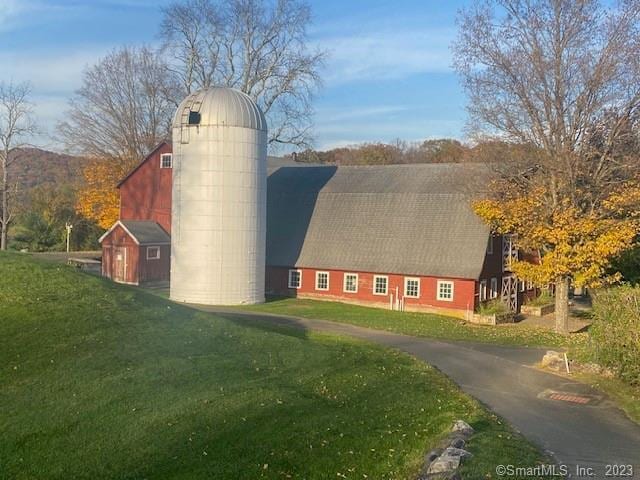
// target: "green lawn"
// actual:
[[104, 381], [419, 324]]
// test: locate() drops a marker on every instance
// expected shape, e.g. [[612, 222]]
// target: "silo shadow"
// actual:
[[292, 193]]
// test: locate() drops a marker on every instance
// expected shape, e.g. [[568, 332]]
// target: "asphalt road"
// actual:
[[594, 435]]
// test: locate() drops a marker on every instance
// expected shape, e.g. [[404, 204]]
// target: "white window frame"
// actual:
[[410, 279], [344, 283], [529, 285], [163, 156], [157, 249], [439, 296], [386, 284], [482, 293], [490, 245], [494, 288], [523, 286], [317, 280], [289, 283]]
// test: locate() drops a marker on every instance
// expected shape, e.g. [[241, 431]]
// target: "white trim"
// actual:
[[299, 278], [162, 155], [441, 298], [317, 275], [523, 287], [344, 282], [406, 281], [494, 288], [113, 228], [482, 293], [386, 284], [153, 246]]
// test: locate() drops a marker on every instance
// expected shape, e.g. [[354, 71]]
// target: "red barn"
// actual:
[[393, 236], [137, 249]]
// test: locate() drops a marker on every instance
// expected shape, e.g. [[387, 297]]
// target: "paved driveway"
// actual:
[[593, 435]]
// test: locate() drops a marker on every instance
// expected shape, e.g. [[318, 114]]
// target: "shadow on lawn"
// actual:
[[284, 326]]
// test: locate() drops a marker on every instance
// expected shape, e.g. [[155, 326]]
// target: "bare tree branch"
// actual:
[[252, 45]]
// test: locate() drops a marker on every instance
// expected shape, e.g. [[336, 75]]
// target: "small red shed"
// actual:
[[135, 252]]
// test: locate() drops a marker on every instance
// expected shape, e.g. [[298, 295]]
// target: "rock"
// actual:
[[463, 428], [457, 442], [553, 360], [449, 460], [432, 455]]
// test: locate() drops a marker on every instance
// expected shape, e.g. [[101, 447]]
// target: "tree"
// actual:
[[123, 109], [563, 77], [15, 125], [255, 46]]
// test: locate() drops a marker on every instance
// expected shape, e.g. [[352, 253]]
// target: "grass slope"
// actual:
[[419, 324], [103, 381]]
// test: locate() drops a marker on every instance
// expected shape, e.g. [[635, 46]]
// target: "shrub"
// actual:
[[615, 333], [545, 298], [494, 307]]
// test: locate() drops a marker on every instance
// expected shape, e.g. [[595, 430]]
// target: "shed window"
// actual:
[[153, 253], [295, 278], [350, 282], [411, 287], [483, 290], [166, 160], [494, 287], [445, 290], [380, 284], [322, 280]]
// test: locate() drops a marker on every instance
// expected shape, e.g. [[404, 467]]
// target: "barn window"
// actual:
[[494, 287], [445, 290], [483, 290], [490, 245], [522, 286], [351, 282], [380, 284], [529, 285], [166, 160], [412, 287], [153, 253], [322, 280], [295, 278]]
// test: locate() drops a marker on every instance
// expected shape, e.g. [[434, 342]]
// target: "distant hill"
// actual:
[[31, 167]]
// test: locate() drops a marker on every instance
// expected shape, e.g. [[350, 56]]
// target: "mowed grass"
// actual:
[[420, 324], [103, 381]]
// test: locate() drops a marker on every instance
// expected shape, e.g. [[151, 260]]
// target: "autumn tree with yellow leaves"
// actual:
[[561, 77], [99, 199]]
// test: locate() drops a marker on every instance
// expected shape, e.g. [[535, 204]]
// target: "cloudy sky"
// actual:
[[388, 75]]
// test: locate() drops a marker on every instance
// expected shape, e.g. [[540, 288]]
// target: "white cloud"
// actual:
[[375, 54]]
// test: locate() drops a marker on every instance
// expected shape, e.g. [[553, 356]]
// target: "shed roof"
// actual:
[[143, 232], [406, 219]]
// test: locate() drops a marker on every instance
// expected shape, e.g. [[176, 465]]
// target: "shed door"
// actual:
[[510, 292], [120, 264]]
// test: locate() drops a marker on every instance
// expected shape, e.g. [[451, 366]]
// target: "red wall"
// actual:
[[146, 193], [138, 268], [463, 290], [118, 238]]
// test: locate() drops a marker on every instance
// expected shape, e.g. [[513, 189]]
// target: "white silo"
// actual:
[[218, 225]]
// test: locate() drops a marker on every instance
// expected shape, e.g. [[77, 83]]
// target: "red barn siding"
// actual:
[[120, 239], [463, 296], [137, 268], [146, 193]]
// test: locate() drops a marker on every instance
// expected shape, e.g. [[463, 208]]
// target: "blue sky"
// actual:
[[388, 74]]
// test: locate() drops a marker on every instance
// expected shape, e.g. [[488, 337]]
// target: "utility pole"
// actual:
[[69, 227]]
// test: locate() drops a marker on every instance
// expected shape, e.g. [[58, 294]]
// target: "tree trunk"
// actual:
[[562, 305], [5, 201]]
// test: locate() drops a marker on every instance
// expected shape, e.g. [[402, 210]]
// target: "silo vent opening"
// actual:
[[194, 118]]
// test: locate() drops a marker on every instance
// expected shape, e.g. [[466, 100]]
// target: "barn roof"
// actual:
[[143, 232], [406, 219]]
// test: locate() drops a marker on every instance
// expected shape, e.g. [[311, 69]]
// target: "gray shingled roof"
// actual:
[[406, 219], [146, 232]]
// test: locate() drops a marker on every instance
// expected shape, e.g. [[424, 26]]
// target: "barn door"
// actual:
[[120, 264], [510, 292]]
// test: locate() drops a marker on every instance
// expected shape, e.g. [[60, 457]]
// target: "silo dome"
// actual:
[[218, 225]]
